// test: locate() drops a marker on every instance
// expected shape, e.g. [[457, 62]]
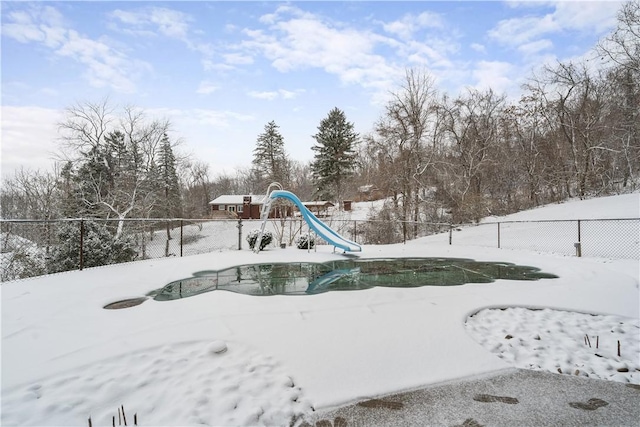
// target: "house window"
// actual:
[[239, 208], [222, 207], [232, 208]]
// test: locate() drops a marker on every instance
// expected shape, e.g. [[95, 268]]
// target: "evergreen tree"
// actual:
[[99, 247], [93, 182], [170, 189], [334, 155], [269, 157], [69, 203], [169, 179]]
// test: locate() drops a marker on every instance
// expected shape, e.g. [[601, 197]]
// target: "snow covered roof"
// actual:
[[236, 199], [320, 203], [367, 188]]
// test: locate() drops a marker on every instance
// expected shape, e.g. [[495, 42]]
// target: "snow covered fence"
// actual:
[[36, 247], [601, 238], [32, 248]]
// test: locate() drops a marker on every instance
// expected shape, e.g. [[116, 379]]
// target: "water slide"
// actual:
[[320, 228]]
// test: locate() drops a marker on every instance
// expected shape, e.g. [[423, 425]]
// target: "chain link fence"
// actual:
[[31, 248], [601, 238]]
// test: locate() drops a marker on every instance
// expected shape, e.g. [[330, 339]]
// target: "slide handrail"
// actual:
[[322, 229]]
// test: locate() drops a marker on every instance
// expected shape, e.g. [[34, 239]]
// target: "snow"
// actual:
[[65, 358], [611, 207], [573, 343], [618, 223]]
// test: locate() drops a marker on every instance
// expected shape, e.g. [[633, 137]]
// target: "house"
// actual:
[[368, 193], [244, 206], [319, 207]]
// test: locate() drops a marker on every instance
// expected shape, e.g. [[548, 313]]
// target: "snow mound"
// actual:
[[178, 384], [610, 207], [562, 342]]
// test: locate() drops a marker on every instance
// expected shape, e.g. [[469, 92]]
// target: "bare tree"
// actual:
[[623, 120], [116, 153], [197, 189], [576, 100], [31, 195], [472, 130], [402, 143], [622, 46]]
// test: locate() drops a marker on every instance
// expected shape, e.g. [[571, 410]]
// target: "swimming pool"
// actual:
[[306, 278]]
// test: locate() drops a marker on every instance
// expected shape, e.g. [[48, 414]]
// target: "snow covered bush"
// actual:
[[99, 247], [382, 227], [267, 237], [21, 262], [306, 241]]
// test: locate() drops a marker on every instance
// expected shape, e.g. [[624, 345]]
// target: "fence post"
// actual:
[[181, 227], [498, 235], [355, 230], [81, 243], [578, 245], [450, 233], [579, 241], [240, 234]]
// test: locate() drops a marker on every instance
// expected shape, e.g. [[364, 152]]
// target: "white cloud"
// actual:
[[148, 21], [34, 24], [171, 23], [50, 91], [430, 53], [209, 65], [535, 47], [410, 24], [269, 95], [287, 94], [237, 59], [105, 65], [518, 31], [206, 88], [29, 138], [494, 75], [596, 17], [219, 119], [478, 47], [280, 93], [297, 40], [154, 21], [184, 118]]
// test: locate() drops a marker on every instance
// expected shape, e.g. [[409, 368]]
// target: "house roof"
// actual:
[[236, 199], [318, 203], [367, 188]]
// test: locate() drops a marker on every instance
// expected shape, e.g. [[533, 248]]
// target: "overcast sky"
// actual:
[[219, 71]]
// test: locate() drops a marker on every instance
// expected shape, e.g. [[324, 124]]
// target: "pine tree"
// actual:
[[99, 247], [93, 181], [170, 188], [269, 157], [169, 177], [334, 154], [70, 205]]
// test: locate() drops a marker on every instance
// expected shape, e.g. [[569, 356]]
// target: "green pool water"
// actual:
[[304, 278]]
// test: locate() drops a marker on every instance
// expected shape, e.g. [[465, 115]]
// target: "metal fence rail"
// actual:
[[36, 247]]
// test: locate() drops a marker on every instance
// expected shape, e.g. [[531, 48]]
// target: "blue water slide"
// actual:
[[321, 229]]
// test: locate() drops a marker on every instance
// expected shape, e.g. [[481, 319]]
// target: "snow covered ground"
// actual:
[[65, 358]]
